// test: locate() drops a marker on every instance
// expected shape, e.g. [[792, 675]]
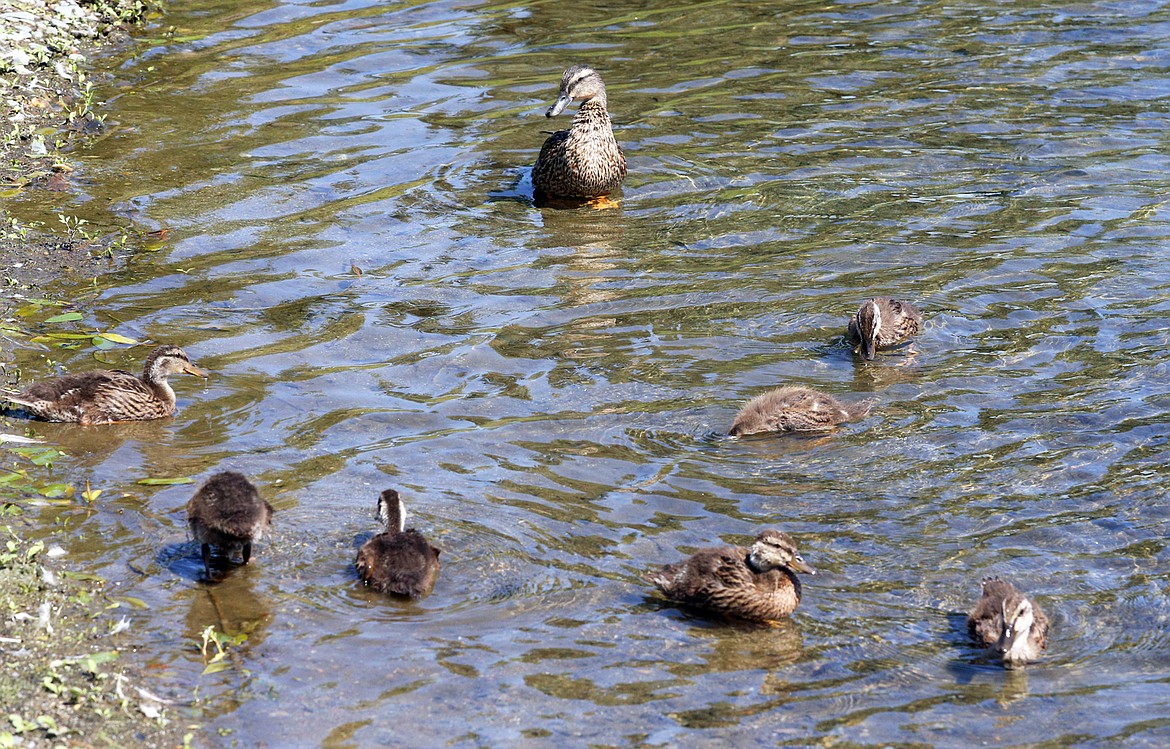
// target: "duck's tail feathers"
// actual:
[[11, 396], [663, 578]]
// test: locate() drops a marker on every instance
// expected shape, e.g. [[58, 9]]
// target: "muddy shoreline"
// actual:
[[71, 676], [49, 102]]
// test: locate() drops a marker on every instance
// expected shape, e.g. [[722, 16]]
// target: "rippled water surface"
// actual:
[[547, 387]]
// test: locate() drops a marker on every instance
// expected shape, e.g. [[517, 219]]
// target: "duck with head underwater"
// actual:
[[107, 396], [584, 162], [793, 408], [228, 512], [753, 584], [1008, 623]]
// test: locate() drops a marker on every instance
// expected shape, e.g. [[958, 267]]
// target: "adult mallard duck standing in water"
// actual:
[[107, 396], [882, 322], [1007, 623], [585, 161], [794, 409], [228, 512], [397, 560], [754, 584]]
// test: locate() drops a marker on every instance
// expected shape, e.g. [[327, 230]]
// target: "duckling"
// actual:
[[882, 322], [228, 512], [396, 560], [107, 396], [584, 161], [794, 409], [754, 584], [1007, 623]]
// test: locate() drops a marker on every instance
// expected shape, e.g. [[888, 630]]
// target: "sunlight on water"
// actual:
[[548, 388]]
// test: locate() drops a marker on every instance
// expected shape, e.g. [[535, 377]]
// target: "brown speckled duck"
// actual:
[[794, 409], [584, 161], [107, 396], [882, 322], [754, 584], [397, 560], [1007, 623], [227, 512]]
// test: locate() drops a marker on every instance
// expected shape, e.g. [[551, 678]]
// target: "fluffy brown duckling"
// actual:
[[397, 560], [584, 161], [107, 396], [882, 322], [793, 408], [754, 584], [228, 512], [1007, 623]]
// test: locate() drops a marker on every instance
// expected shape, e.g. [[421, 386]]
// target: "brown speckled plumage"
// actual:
[[106, 396], [794, 409], [755, 584], [584, 161], [882, 322], [229, 513], [397, 560], [1008, 623]]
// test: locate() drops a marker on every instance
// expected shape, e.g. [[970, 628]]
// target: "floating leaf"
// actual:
[[117, 338], [52, 491], [215, 667], [43, 458], [102, 344], [136, 603], [55, 337], [167, 482], [66, 317], [82, 576]]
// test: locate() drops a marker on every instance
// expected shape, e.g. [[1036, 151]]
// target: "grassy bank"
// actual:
[[63, 681]]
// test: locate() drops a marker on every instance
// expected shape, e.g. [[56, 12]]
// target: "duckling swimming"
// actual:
[[882, 322], [584, 161], [396, 560], [107, 396], [1007, 623], [228, 512], [754, 584], [793, 408]]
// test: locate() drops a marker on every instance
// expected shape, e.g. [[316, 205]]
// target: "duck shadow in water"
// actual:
[[522, 191], [737, 644], [234, 609], [185, 560], [93, 443]]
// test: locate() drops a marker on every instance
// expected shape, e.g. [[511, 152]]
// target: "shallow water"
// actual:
[[547, 387]]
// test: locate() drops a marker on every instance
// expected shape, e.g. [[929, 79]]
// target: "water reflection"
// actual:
[[234, 608], [551, 385]]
